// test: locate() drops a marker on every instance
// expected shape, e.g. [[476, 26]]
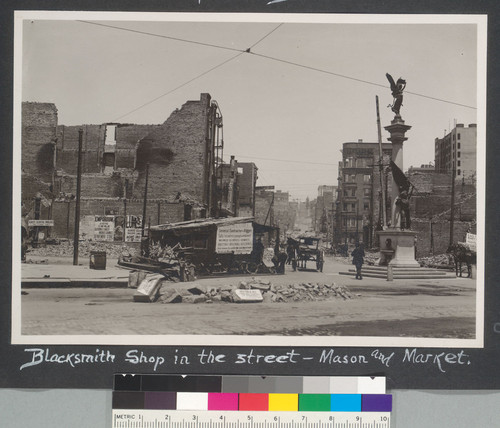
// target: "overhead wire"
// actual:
[[356, 79], [249, 51], [241, 52], [286, 160], [146, 33], [180, 86]]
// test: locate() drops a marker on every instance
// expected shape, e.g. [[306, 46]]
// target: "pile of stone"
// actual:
[[64, 248], [154, 287], [437, 261], [371, 258]]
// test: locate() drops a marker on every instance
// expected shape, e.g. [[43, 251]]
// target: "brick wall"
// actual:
[[92, 148], [63, 212], [432, 197], [182, 169], [127, 139], [39, 124], [93, 185], [440, 233], [262, 203], [32, 185]]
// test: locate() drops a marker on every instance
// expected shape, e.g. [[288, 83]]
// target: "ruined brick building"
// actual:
[[183, 158]]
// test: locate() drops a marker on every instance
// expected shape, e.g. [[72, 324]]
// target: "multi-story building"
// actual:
[[359, 208], [229, 189], [179, 160], [324, 210], [274, 208], [247, 180], [456, 152]]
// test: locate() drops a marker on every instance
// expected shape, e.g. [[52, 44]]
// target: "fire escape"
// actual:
[[215, 159]]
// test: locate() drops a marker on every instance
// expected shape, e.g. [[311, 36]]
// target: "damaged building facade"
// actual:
[[359, 201], [181, 161]]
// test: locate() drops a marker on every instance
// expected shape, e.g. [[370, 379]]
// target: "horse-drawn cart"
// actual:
[[309, 249]]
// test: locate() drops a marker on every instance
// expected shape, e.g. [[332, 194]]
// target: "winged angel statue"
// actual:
[[397, 89]]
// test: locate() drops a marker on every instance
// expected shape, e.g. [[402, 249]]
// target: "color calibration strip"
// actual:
[[223, 401], [252, 384], [254, 393]]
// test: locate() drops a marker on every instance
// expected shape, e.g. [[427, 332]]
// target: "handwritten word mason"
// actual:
[[331, 358], [40, 356]]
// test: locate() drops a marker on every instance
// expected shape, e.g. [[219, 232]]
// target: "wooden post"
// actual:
[[452, 209], [76, 236], [381, 167], [145, 200]]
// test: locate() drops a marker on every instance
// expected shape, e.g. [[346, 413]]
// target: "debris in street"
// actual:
[[64, 248], [437, 261], [253, 290], [148, 289], [135, 278], [163, 260], [247, 296]]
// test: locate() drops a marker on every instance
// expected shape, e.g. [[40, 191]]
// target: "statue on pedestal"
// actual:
[[401, 209], [397, 89]]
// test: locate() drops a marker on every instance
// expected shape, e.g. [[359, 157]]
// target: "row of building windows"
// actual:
[[352, 207], [357, 162], [351, 178], [352, 192]]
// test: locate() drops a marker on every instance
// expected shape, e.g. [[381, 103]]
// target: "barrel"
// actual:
[[98, 260]]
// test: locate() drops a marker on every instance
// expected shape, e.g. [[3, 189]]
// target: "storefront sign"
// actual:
[[470, 240], [40, 223], [237, 238], [133, 235], [104, 228]]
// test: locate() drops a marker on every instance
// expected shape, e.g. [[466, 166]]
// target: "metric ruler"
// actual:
[[242, 419]]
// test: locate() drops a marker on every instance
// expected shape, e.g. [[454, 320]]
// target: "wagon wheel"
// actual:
[[252, 267]]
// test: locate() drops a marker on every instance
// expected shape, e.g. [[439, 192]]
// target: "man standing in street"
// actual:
[[358, 255]]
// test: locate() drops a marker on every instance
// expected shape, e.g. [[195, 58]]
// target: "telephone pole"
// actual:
[[381, 167], [145, 200], [76, 235], [452, 210]]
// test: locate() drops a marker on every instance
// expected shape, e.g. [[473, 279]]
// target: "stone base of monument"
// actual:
[[397, 248], [381, 272]]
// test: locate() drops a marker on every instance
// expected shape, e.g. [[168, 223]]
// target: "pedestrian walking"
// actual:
[[358, 255]]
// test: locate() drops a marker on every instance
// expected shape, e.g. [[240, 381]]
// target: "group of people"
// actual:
[[290, 257]]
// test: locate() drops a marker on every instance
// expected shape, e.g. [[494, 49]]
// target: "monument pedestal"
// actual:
[[397, 248]]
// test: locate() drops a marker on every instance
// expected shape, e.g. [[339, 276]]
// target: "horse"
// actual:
[[461, 254]]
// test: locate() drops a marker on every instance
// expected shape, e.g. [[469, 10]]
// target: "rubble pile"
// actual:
[[437, 261], [371, 258], [162, 260], [64, 248], [248, 291]]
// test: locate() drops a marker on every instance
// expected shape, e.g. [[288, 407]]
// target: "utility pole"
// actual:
[[124, 218], [269, 211], [145, 200], [357, 221], [452, 210], [381, 167], [76, 235]]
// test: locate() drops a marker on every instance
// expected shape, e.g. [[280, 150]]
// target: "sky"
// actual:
[[288, 105]]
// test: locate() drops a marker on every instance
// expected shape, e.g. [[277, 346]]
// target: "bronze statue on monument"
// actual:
[[401, 217], [397, 89], [398, 241]]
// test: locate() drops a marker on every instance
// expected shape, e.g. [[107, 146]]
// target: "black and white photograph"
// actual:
[[257, 179]]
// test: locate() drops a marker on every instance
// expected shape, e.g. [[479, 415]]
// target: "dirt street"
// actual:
[[402, 308]]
